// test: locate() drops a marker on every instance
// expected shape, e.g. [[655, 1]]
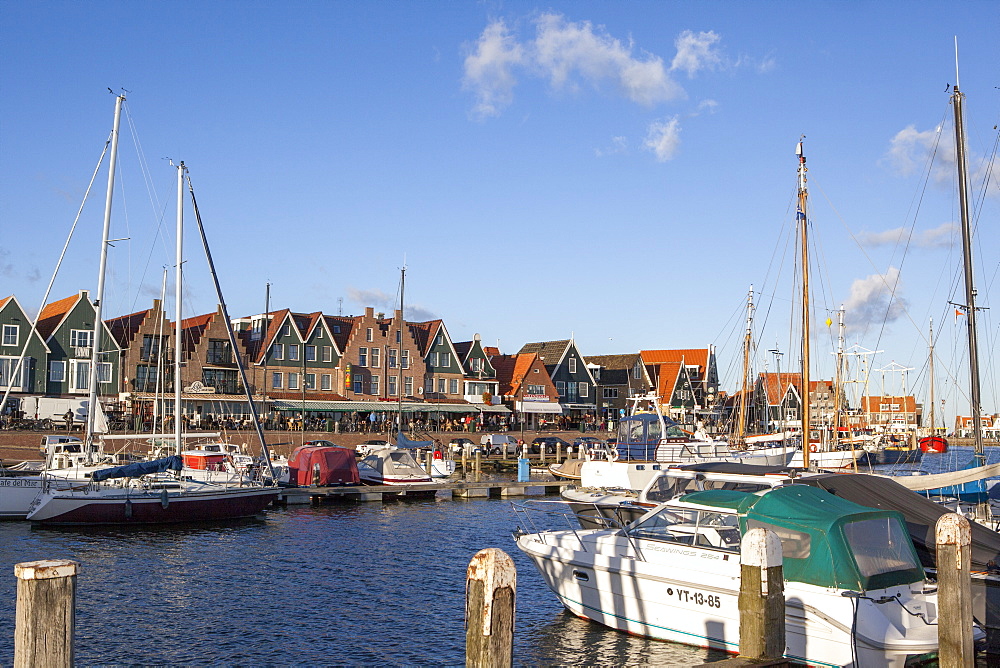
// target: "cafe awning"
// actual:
[[550, 407]]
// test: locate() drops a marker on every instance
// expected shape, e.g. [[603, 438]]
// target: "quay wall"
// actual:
[[21, 445]]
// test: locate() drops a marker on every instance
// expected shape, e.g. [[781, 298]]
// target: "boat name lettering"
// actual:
[[18, 483], [698, 598], [671, 550]]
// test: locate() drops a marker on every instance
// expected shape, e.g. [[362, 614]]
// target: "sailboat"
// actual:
[[152, 492]]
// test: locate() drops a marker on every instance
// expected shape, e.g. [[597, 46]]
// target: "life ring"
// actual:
[[613, 455], [813, 447]]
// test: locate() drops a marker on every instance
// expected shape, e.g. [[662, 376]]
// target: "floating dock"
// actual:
[[459, 490]]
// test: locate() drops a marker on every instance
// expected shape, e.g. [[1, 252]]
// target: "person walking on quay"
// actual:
[[68, 418]]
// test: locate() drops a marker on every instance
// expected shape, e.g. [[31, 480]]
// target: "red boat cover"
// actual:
[[323, 466]]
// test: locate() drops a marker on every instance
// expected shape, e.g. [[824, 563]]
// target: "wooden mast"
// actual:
[[747, 343], [957, 99], [931, 371], [802, 220]]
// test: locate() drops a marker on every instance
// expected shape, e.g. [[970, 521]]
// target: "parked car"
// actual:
[[586, 442], [459, 445], [549, 443], [499, 444]]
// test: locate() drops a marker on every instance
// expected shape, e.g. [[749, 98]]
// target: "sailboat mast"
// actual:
[[95, 351], [399, 361], [957, 100], [178, 286], [838, 381], [804, 240], [747, 343], [930, 354]]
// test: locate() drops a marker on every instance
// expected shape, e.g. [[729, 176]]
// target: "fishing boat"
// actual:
[[156, 491], [855, 590]]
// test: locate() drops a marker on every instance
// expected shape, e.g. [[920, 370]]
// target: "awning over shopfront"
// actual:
[[551, 407], [386, 406]]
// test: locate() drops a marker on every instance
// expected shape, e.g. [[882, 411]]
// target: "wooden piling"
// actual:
[[45, 618], [762, 597], [430, 463], [953, 536], [558, 453], [479, 464], [465, 464], [490, 588]]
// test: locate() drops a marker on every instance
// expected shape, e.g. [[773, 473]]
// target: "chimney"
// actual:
[[369, 312]]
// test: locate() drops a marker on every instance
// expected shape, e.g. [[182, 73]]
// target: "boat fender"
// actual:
[[164, 498], [813, 447], [128, 508]]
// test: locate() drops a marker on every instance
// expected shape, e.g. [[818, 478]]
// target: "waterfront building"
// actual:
[[480, 381], [146, 343], [526, 388], [67, 327], [573, 381], [444, 375], [687, 382], [618, 377], [17, 338], [893, 413]]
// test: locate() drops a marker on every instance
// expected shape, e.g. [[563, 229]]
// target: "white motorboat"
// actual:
[[854, 587], [391, 466]]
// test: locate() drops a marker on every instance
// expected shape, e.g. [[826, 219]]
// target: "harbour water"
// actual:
[[366, 584]]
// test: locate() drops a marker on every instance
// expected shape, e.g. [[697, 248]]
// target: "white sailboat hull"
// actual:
[[835, 459]]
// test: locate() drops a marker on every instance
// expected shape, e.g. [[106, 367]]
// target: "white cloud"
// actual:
[[910, 150], [570, 52], [619, 145], [663, 138], [874, 300], [941, 236], [489, 69], [696, 52], [707, 106]]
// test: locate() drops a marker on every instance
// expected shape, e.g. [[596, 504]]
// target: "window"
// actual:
[[429, 385], [794, 544], [561, 387], [7, 367], [80, 338], [637, 370], [278, 351], [79, 375], [327, 353], [57, 372], [399, 335], [537, 390], [362, 357], [310, 353], [151, 346], [310, 381], [610, 392], [10, 335], [104, 372], [433, 359], [276, 380], [445, 359], [453, 386], [476, 364], [286, 330], [146, 378], [571, 390], [293, 351], [392, 357], [376, 357], [369, 334], [584, 389], [358, 381], [392, 385], [572, 365], [293, 381], [319, 333], [441, 385], [408, 386], [406, 359], [223, 380], [439, 341], [219, 352], [326, 382], [336, 329]]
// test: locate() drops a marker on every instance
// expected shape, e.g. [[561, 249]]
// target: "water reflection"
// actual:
[[349, 585]]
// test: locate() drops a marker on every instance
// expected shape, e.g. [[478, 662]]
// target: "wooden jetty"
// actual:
[[463, 489]]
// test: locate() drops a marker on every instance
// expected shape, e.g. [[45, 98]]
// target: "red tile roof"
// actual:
[[54, 313], [690, 357]]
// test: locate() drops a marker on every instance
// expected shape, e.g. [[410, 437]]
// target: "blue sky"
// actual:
[[620, 172]]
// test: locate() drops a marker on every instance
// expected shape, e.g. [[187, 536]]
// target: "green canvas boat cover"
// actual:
[[826, 540]]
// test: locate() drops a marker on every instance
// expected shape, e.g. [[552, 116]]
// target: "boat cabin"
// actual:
[[826, 541]]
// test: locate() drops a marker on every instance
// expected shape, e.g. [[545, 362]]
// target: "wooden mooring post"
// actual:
[[762, 597], [953, 536], [45, 617], [490, 593]]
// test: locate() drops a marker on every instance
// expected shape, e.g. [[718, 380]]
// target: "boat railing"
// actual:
[[565, 512]]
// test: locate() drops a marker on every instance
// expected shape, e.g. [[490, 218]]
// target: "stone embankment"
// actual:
[[21, 445]]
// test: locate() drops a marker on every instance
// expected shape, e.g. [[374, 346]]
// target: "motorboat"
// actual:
[[392, 466], [855, 590]]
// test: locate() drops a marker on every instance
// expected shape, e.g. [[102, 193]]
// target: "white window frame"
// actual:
[[572, 365], [277, 351], [583, 388], [376, 381], [310, 381], [391, 383], [452, 386], [310, 353], [9, 330], [441, 385], [327, 353], [75, 376], [326, 382], [376, 358], [408, 386], [293, 380], [293, 352], [433, 359], [104, 372], [54, 376], [405, 359], [277, 380], [369, 335], [363, 356], [81, 338], [445, 359]]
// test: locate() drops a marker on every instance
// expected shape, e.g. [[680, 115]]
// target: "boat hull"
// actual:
[[694, 601], [151, 507]]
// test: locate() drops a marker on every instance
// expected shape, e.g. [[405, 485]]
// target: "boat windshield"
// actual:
[[402, 458], [880, 546], [690, 527], [667, 487]]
